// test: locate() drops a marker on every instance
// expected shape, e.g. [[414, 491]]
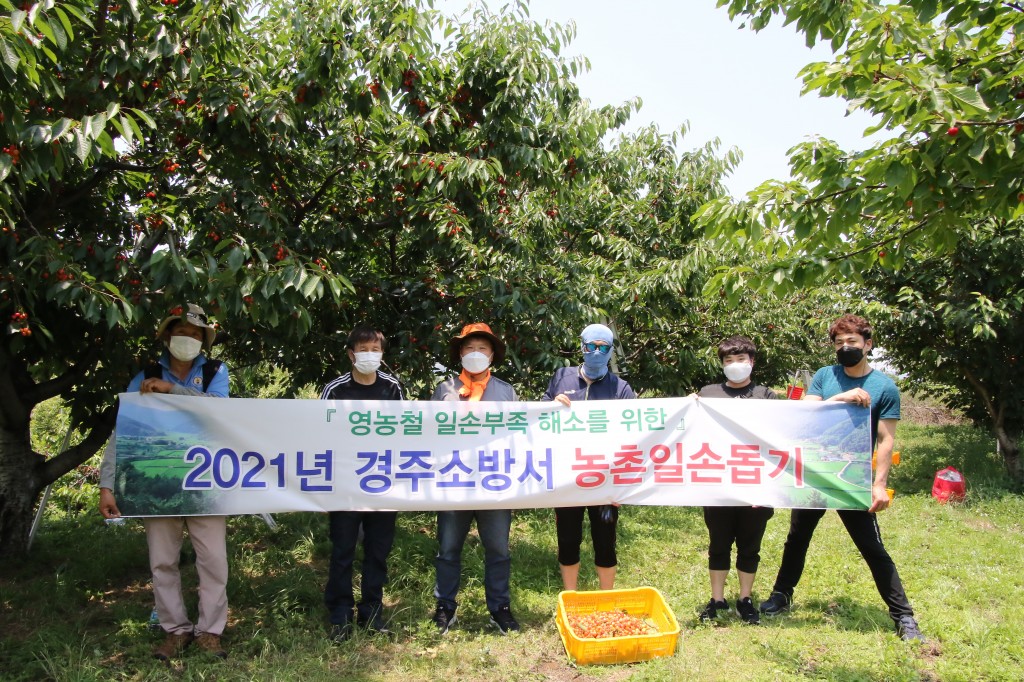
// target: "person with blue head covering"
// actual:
[[590, 380]]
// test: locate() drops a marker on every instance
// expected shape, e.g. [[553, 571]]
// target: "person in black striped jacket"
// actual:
[[365, 382]]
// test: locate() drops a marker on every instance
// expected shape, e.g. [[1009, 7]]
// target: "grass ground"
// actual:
[[78, 608]]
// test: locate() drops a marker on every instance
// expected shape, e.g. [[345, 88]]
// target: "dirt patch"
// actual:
[[917, 412], [557, 670]]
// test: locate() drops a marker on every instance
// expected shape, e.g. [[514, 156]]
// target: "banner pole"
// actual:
[[38, 520]]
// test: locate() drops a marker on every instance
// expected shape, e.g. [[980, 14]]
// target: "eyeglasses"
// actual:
[[603, 348]]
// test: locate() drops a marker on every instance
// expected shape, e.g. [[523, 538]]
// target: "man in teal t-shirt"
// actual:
[[853, 381]]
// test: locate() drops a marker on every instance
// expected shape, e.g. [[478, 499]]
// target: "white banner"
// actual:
[[178, 455]]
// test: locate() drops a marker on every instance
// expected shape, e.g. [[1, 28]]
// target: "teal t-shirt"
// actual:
[[885, 397]]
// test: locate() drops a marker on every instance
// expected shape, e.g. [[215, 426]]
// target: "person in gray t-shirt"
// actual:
[[743, 526]]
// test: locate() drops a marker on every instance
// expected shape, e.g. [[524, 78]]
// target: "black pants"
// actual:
[[743, 525], [378, 536], [569, 528], [863, 529]]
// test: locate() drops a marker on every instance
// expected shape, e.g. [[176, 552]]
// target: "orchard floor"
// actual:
[[78, 608]]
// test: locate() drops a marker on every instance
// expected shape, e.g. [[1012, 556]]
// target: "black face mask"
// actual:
[[848, 356]]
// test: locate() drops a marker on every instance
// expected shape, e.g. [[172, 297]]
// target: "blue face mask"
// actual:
[[595, 364]]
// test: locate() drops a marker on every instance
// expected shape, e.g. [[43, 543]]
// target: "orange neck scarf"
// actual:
[[473, 390]]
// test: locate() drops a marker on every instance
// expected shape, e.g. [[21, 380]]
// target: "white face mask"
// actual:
[[185, 348], [737, 372], [366, 363], [475, 362]]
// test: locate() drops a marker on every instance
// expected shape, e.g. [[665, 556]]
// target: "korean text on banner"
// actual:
[[177, 456]]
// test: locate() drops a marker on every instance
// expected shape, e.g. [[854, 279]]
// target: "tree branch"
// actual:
[[48, 389], [1000, 122], [314, 201], [76, 193], [145, 249], [101, 427], [875, 245], [985, 397], [841, 192], [97, 38]]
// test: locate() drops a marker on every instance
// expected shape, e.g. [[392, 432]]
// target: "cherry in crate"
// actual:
[[605, 624]]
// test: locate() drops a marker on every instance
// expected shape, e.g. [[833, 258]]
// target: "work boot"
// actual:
[[210, 643], [172, 646]]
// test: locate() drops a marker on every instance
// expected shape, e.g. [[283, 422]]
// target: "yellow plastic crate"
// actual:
[[643, 602]]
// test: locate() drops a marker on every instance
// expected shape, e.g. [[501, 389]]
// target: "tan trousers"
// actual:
[[209, 538]]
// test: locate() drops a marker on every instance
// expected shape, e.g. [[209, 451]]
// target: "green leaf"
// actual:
[[61, 127], [310, 287], [113, 315], [977, 150], [37, 135], [967, 98], [111, 288], [65, 22], [146, 118], [5, 166], [96, 125], [9, 55], [45, 28], [120, 128], [235, 259], [81, 145], [136, 131], [17, 19], [59, 36]]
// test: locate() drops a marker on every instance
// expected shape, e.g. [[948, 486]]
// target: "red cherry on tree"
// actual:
[[953, 131]]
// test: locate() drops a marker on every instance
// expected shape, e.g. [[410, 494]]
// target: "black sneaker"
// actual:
[[504, 620], [710, 611], [907, 629], [340, 632], [373, 623], [777, 602], [444, 618], [745, 607]]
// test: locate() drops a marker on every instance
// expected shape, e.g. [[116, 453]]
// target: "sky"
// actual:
[[688, 62]]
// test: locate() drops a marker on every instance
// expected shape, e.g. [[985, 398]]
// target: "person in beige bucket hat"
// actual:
[[183, 369]]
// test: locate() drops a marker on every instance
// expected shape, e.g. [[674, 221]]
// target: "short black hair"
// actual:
[[364, 333], [737, 345]]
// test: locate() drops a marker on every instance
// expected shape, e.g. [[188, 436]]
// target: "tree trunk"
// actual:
[[24, 473], [19, 488], [1009, 448]]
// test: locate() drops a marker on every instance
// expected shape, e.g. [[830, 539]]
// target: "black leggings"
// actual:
[[569, 527], [745, 526]]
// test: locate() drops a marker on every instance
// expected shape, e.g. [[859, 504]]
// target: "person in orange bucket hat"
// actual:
[[476, 349]]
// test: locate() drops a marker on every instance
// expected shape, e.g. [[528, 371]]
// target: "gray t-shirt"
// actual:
[[723, 390]]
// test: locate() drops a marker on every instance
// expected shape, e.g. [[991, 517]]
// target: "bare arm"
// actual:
[[883, 461]]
